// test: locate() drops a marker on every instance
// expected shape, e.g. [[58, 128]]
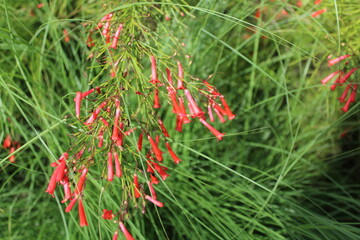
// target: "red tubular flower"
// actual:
[[328, 78], [71, 204], [179, 124], [149, 168], [197, 110], [183, 115], [227, 109], [172, 154], [317, 13], [152, 190], [116, 37], [338, 59], [163, 129], [156, 202], [156, 98], [299, 3], [52, 183], [337, 81], [217, 134], [77, 101], [85, 94], [136, 186], [343, 96], [94, 115], [347, 75], [67, 191], [345, 108], [61, 167], [107, 40], [107, 214], [351, 98], [104, 18], [82, 216], [180, 84], [168, 74], [115, 133], [104, 122], [353, 93], [106, 29], [219, 115], [118, 171], [172, 95], [140, 142], [110, 167], [154, 180], [161, 170], [116, 234], [217, 106], [125, 231], [155, 148], [7, 142], [210, 113], [81, 181], [154, 77], [317, 2], [120, 140]]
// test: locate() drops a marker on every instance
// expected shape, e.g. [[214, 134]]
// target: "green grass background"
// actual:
[[281, 172]]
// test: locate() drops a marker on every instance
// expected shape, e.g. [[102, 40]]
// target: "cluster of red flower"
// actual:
[[340, 80], [119, 129]]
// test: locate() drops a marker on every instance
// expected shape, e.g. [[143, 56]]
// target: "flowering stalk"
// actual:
[[123, 108]]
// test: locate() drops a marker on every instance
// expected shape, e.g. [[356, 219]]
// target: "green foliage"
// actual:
[[281, 171]]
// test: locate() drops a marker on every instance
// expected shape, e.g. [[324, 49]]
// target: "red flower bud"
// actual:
[[317, 13], [125, 231], [116, 234], [117, 165], [168, 74], [110, 168], [328, 78], [155, 148], [217, 134], [156, 98], [7, 142], [338, 59], [180, 84], [154, 180], [172, 154], [82, 216], [136, 187], [152, 190], [227, 109], [156, 202], [140, 142], [77, 101], [116, 37], [154, 77]]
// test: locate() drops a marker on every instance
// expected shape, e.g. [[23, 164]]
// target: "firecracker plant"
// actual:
[[119, 118]]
